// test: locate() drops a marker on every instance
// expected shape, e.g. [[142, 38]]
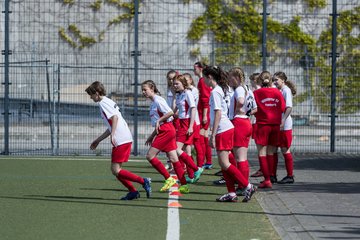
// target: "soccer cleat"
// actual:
[[198, 174], [221, 181], [184, 189], [207, 166], [287, 180], [168, 184], [258, 173], [227, 198], [147, 186], [265, 184], [248, 193], [273, 179], [168, 165], [240, 191], [189, 180], [131, 196]]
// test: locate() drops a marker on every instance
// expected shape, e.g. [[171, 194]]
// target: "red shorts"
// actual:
[[121, 153], [225, 141], [242, 132], [165, 140], [267, 135], [181, 135], [254, 130], [204, 126], [176, 123], [285, 138]]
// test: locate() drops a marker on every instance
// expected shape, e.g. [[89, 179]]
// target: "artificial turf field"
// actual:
[[78, 198]]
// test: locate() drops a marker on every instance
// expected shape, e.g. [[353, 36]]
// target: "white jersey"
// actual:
[[184, 102], [249, 102], [170, 98], [195, 93], [218, 102], [109, 108], [159, 108], [286, 92]]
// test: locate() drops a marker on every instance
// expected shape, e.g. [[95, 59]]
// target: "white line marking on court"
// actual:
[[173, 219]]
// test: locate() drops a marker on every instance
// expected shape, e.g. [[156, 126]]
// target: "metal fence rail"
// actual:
[[55, 52]]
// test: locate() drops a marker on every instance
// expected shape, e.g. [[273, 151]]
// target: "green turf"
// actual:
[[50, 198]]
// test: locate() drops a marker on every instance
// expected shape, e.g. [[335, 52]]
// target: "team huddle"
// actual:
[[221, 113]]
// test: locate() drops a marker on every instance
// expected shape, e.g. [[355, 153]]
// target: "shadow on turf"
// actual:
[[124, 190], [72, 199]]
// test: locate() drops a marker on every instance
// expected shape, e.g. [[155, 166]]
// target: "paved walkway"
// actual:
[[324, 201]]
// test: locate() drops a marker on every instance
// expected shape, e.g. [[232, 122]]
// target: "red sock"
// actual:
[[208, 151], [204, 143], [232, 159], [155, 162], [264, 167], [271, 162], [190, 172], [289, 164], [199, 152], [244, 168], [188, 160], [127, 184], [237, 176], [127, 175], [276, 160], [229, 181], [179, 170]]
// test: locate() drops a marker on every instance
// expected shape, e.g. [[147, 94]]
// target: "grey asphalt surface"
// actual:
[[324, 201]]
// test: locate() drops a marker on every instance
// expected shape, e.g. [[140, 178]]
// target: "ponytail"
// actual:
[[287, 82], [151, 84]]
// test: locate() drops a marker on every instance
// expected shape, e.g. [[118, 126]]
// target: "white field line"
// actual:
[[173, 219]]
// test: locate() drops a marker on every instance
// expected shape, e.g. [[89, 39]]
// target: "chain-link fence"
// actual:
[[59, 47]]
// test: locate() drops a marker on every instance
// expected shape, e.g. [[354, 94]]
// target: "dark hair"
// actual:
[[200, 65], [172, 71], [96, 87], [254, 77], [151, 85], [220, 76], [265, 79], [288, 83]]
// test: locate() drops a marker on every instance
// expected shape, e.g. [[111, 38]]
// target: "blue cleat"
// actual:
[[147, 186], [198, 174], [208, 166], [131, 196]]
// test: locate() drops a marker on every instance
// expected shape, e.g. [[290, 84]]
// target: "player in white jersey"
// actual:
[[222, 136], [186, 108], [242, 104], [170, 76], [121, 141], [163, 137], [200, 155], [287, 89]]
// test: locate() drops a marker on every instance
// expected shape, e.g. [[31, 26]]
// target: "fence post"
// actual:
[[136, 53], [49, 103], [264, 30], [6, 53], [334, 55]]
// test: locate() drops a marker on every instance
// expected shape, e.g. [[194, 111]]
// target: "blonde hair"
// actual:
[[239, 73]]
